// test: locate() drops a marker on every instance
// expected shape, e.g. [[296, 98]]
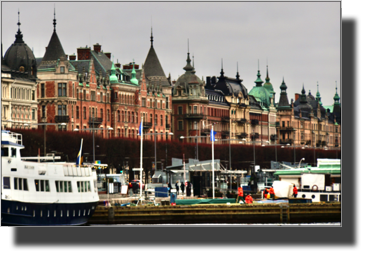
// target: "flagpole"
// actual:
[[141, 128], [212, 131]]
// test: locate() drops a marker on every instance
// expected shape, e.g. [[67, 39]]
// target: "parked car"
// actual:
[[135, 184]]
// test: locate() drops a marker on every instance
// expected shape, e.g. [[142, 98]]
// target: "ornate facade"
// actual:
[[18, 85]]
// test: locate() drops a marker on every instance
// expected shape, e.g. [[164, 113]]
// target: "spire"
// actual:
[[222, 73], [283, 86], [303, 97], [336, 97], [113, 77], [19, 35], [318, 97], [189, 67], [267, 79], [54, 23], [134, 79], [258, 80], [151, 37], [237, 71]]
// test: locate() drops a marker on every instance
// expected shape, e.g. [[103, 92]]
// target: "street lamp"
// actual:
[[303, 159], [93, 129], [45, 128]]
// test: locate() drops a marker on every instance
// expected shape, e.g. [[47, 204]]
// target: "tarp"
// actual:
[[282, 189], [313, 179], [204, 201]]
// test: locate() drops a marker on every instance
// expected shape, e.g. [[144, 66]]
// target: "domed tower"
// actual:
[[260, 93], [19, 58]]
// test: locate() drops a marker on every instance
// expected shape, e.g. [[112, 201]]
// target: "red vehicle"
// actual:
[[135, 184]]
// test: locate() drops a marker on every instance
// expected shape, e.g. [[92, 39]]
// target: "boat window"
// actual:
[[83, 186], [13, 151], [42, 185], [5, 152], [20, 184], [6, 182], [61, 186]]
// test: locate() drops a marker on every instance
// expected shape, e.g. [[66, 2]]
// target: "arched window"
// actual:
[[118, 113]]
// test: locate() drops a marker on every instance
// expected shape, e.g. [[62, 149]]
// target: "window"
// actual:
[[63, 186], [195, 109], [144, 102], [167, 102], [33, 114], [77, 112], [5, 152], [84, 96], [13, 152], [62, 110], [180, 110], [42, 185], [93, 96], [101, 97], [108, 114], [6, 182], [84, 113], [62, 69], [83, 186], [161, 120], [42, 90], [20, 184], [180, 128], [101, 113], [156, 119], [43, 111], [62, 89]]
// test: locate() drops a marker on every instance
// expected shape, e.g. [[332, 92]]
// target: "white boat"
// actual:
[[321, 183], [35, 193]]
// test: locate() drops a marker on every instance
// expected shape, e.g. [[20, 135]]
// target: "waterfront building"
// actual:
[[306, 123], [18, 85]]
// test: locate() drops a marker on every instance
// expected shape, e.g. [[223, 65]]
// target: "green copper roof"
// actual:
[[113, 77], [260, 93], [134, 79]]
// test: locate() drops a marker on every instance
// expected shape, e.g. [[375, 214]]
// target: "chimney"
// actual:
[[72, 57], [83, 53], [130, 66], [97, 47], [297, 95], [108, 55]]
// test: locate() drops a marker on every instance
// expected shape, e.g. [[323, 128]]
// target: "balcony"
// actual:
[[241, 121], [255, 136], [94, 120], [194, 116], [61, 118], [225, 132], [254, 122], [287, 129], [205, 131], [225, 119], [242, 135], [147, 125], [286, 141]]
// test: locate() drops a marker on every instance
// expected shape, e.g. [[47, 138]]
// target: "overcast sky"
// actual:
[[298, 41]]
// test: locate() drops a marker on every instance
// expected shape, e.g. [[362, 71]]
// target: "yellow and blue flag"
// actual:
[[79, 156]]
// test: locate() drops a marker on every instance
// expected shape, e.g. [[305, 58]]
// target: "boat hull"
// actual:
[[16, 213]]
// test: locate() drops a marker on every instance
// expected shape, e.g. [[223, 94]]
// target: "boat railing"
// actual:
[[72, 170]]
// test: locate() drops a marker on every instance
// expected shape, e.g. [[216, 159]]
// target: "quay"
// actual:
[[255, 213]]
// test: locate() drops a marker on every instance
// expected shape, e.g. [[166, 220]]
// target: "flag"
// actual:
[[140, 128], [212, 135], [79, 155]]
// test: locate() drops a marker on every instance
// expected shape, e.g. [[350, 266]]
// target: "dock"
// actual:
[[254, 213]]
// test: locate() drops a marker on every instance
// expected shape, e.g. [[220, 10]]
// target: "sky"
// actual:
[[299, 41]]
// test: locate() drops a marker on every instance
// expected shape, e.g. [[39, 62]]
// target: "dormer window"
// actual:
[[62, 69], [22, 69]]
